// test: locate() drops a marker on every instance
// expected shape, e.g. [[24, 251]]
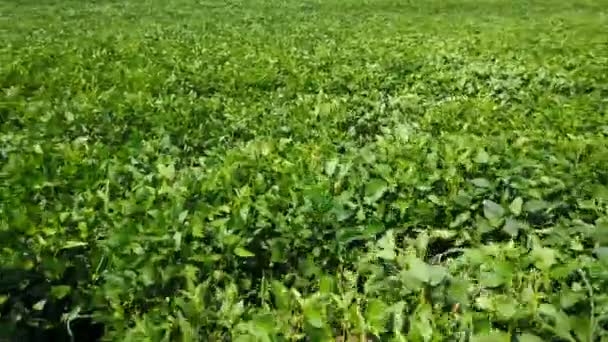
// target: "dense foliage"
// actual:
[[314, 170]]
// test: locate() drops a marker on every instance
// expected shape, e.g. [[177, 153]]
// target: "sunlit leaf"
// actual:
[[529, 338], [166, 171], [481, 183], [313, 315], [60, 291], [494, 336], [242, 252], [516, 206], [543, 257], [38, 306], [460, 219], [492, 211]]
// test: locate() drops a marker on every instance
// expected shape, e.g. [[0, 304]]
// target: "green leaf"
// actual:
[[443, 234], [516, 206], [526, 337], [437, 274], [569, 298], [421, 324], [243, 253], [182, 216], [581, 327], [543, 258], [73, 244], [483, 225], [38, 149], [491, 279], [458, 290], [504, 269], [341, 212], [422, 242], [492, 210], [60, 291], [374, 190], [245, 338], [481, 182], [262, 326], [313, 315], [330, 166], [186, 329], [166, 171], [600, 233], [419, 269], [386, 254], [460, 219], [535, 205], [601, 253], [355, 317], [387, 241], [281, 295], [505, 307], [560, 320], [511, 227], [547, 309], [387, 246], [376, 315], [493, 336], [484, 302], [327, 284], [374, 228], [177, 239], [482, 157], [435, 200], [39, 305]]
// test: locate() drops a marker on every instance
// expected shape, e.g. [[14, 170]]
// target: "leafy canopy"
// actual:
[[304, 170]]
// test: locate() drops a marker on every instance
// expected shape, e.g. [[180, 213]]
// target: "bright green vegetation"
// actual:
[[304, 170]]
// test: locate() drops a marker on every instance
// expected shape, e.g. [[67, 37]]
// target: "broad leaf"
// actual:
[[492, 210], [374, 189]]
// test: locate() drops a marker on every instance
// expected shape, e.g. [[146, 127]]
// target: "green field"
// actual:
[[315, 170]]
